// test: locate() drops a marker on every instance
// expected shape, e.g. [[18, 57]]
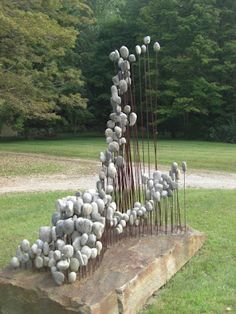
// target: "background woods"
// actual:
[[55, 74]]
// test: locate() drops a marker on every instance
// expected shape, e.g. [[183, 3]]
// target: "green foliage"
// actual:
[[224, 133], [39, 74], [55, 71], [196, 63]]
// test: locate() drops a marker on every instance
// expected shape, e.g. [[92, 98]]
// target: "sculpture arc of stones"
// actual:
[[130, 200]]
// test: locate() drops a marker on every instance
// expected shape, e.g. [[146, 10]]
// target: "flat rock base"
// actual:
[[131, 271]]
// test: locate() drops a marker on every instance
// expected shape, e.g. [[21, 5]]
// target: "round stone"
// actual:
[[138, 50], [77, 243], [87, 227], [45, 248], [34, 248], [69, 209], [25, 246], [113, 147], [39, 243], [68, 226], [55, 217], [91, 240], [74, 264], [15, 263], [38, 262], [156, 46], [68, 250], [63, 265], [99, 246], [53, 269], [123, 223], [58, 277], [124, 52], [109, 189], [94, 253], [132, 119], [87, 197], [87, 209], [45, 234], [57, 255], [51, 262], [72, 277], [120, 161], [77, 206], [98, 229], [84, 239], [147, 40], [86, 251], [59, 244]]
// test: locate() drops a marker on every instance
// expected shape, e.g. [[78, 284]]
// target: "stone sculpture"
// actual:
[[127, 201]]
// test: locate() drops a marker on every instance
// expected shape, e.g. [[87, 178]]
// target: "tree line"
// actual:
[[55, 74]]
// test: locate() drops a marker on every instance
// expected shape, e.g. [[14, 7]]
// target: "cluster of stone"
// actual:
[[73, 238], [161, 185], [120, 120], [78, 224]]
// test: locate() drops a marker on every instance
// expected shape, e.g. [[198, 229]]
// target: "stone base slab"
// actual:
[[130, 272]]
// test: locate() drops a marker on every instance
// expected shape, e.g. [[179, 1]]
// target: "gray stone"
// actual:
[[15, 263], [45, 234], [74, 264], [87, 209], [38, 262], [57, 255], [58, 277], [77, 206], [84, 239], [39, 243], [68, 226], [72, 277], [63, 265], [55, 217], [25, 245], [68, 250], [91, 240], [86, 251], [87, 197], [59, 244], [45, 248], [94, 253], [99, 247]]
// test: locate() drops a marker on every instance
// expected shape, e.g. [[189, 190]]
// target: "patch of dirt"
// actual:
[[83, 174]]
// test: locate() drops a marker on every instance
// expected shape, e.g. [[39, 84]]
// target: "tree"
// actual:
[[38, 67]]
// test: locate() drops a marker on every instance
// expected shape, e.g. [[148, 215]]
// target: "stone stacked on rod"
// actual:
[[127, 201]]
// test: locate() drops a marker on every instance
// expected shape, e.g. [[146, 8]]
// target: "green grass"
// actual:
[[17, 165], [205, 285], [198, 154], [21, 216]]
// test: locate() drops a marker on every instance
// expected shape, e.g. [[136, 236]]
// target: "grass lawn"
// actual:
[[207, 284], [198, 154]]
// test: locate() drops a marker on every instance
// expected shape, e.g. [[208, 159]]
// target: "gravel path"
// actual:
[[75, 181]]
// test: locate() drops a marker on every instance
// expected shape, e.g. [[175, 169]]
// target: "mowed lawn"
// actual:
[[207, 284], [198, 154]]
